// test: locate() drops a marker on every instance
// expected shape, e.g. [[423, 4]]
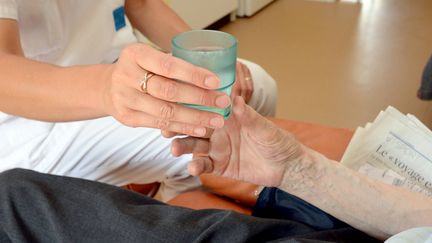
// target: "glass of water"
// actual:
[[213, 50]]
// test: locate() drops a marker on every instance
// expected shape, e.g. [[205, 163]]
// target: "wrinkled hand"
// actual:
[[248, 148], [244, 85], [158, 107]]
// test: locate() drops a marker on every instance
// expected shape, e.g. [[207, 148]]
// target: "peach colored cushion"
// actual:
[[331, 142], [147, 189], [204, 200]]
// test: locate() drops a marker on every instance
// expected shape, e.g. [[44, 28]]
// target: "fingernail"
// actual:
[[199, 131], [217, 122], [223, 101], [211, 82]]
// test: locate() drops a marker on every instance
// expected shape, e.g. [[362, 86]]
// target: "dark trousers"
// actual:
[[36, 207]]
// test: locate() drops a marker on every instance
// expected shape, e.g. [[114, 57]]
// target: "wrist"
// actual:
[[105, 101]]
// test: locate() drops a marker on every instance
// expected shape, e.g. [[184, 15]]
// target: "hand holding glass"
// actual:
[[213, 50]]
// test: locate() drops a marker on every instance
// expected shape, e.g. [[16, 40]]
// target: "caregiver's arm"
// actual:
[[376, 208], [155, 20], [48, 92]]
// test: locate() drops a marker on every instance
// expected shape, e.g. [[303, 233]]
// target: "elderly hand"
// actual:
[[137, 98], [244, 85], [248, 148]]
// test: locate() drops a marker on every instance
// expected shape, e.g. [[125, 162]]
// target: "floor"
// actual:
[[339, 63]]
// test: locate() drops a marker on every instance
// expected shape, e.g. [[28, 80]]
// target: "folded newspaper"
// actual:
[[394, 148]]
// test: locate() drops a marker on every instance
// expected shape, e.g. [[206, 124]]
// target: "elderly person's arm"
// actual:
[[376, 208], [252, 149]]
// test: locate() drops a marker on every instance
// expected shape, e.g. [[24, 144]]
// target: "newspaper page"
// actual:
[[393, 142], [392, 178]]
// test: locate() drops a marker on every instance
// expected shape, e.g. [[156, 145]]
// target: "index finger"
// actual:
[[171, 67]]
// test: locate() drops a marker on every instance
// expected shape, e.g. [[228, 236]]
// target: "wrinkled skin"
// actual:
[[248, 148]]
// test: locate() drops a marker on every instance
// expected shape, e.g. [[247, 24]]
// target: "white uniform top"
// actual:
[[72, 32], [417, 235], [79, 32], [69, 32], [65, 33]]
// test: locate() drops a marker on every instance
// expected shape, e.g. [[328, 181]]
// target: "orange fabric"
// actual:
[[331, 142], [146, 189], [206, 200], [243, 192]]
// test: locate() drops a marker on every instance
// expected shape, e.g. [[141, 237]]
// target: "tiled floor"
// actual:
[[339, 63]]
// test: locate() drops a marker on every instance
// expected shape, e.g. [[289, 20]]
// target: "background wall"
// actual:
[[340, 62]]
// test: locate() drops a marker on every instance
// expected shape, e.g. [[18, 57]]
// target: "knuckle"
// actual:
[[166, 134], [122, 115], [197, 76], [202, 97], [169, 91], [130, 123], [131, 50], [201, 119], [167, 65], [239, 65], [161, 124], [185, 129], [167, 111], [127, 118], [134, 50]]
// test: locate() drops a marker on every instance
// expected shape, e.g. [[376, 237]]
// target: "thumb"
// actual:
[[242, 112], [200, 165], [247, 116], [258, 126]]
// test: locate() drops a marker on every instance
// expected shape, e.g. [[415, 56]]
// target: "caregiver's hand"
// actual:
[[248, 148], [143, 92]]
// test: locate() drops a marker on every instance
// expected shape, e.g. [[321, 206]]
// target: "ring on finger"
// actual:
[[248, 78], [144, 81]]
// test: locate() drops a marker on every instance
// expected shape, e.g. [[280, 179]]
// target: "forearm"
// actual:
[[155, 20], [50, 93], [378, 209]]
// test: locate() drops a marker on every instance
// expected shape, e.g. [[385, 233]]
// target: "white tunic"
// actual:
[[77, 32]]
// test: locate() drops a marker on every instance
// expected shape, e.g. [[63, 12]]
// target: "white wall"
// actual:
[[201, 13]]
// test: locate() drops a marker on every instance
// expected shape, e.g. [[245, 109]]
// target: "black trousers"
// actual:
[[37, 207]]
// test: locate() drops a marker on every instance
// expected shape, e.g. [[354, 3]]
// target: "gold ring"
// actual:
[[144, 80], [248, 78]]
